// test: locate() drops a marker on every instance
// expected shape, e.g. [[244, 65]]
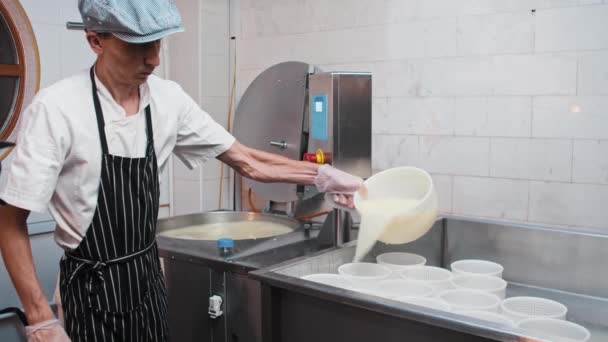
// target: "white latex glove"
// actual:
[[48, 331], [341, 184]]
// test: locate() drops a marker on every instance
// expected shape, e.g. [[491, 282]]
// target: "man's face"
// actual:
[[131, 63]]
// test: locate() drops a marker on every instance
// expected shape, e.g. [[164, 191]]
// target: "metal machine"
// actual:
[[295, 111]]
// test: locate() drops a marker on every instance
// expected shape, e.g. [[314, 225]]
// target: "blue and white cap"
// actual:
[[133, 21]]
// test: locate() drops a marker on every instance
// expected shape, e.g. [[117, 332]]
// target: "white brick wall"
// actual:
[[496, 33], [455, 155], [499, 198], [578, 205], [394, 150], [572, 29], [593, 73], [580, 117], [590, 164], [543, 159], [444, 186], [504, 102], [199, 61]]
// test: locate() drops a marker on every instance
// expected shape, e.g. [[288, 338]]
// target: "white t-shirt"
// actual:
[[57, 160]]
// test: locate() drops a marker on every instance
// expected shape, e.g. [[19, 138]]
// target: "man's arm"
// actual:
[[267, 167], [17, 255]]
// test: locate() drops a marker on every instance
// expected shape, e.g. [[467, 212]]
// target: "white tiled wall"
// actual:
[[62, 52], [199, 61], [505, 102]]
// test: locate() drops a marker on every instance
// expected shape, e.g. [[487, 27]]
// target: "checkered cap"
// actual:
[[133, 21]]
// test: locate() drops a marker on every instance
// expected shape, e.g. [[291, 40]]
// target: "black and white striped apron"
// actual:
[[111, 285]]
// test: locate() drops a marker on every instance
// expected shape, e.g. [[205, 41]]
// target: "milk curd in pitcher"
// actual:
[[400, 206]]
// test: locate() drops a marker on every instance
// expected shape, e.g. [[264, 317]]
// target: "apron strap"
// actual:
[[96, 266], [99, 113], [149, 126]]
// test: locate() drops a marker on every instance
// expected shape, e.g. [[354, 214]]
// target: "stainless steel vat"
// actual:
[[566, 266], [194, 271]]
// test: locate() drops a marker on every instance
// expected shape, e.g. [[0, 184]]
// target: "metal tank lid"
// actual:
[[270, 117]]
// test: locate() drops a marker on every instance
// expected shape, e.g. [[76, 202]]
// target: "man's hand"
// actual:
[[48, 331], [341, 184]]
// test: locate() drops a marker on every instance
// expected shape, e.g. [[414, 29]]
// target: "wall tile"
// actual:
[[68, 11], [443, 186], [496, 198], [590, 161], [164, 212], [187, 197], [394, 150], [493, 116], [217, 107], [185, 51], [211, 194], [181, 172], [571, 117], [42, 12], [272, 18], [215, 76], [577, 205], [211, 169], [76, 54], [585, 29], [499, 75], [496, 34], [455, 155], [430, 116], [244, 78], [535, 74], [471, 116], [593, 73], [215, 34], [537, 159], [379, 114], [48, 38], [219, 7]]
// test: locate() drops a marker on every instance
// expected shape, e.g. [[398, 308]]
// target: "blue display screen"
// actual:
[[318, 113]]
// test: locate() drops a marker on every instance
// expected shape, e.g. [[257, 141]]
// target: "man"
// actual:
[[90, 148]]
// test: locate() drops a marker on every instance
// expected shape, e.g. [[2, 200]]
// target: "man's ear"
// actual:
[[95, 42]]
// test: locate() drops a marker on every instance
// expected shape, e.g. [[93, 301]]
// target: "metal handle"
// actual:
[[70, 25], [279, 144]]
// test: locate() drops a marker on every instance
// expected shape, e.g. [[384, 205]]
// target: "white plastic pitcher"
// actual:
[[404, 183]]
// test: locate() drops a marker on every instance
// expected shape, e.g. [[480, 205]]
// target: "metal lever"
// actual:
[[279, 144]]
